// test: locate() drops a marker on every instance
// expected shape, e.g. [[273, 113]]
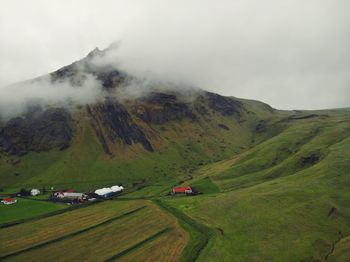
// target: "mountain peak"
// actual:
[[95, 52]]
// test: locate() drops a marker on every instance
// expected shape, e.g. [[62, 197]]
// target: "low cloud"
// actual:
[[292, 54], [16, 99]]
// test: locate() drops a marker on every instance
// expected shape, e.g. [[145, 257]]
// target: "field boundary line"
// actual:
[[138, 245], [198, 241], [334, 244], [71, 234], [53, 213]]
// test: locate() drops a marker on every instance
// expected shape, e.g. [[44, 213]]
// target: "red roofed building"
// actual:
[[182, 190], [9, 201]]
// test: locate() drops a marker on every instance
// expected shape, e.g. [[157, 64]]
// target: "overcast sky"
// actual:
[[292, 54]]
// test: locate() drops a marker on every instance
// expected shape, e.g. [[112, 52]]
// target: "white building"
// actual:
[[109, 191], [34, 192], [69, 195]]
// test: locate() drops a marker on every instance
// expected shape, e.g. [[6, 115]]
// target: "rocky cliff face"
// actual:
[[224, 105], [111, 119], [37, 131], [158, 108]]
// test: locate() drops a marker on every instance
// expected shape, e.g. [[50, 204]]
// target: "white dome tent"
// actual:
[[109, 191]]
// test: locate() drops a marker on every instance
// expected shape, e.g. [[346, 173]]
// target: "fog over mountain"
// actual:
[[290, 54]]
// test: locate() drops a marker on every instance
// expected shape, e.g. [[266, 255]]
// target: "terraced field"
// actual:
[[103, 231]]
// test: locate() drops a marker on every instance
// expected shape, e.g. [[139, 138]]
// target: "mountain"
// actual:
[[164, 133], [275, 183]]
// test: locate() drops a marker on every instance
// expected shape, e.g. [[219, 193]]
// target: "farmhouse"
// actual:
[[182, 190], [9, 201]]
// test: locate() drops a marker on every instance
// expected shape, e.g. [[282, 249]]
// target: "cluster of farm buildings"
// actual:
[[70, 195]]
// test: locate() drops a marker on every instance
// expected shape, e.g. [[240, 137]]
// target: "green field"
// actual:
[[103, 231], [25, 208]]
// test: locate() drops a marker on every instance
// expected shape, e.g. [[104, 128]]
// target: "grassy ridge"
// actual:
[[297, 148], [274, 206], [340, 251]]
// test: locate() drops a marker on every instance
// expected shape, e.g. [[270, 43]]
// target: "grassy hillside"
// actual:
[[284, 200]]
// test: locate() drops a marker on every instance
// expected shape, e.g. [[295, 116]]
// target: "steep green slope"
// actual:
[[284, 200]]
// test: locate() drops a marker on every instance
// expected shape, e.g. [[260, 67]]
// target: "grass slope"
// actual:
[[277, 202]]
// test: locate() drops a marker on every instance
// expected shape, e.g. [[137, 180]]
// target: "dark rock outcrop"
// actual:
[[261, 126], [158, 108], [225, 105], [98, 130], [118, 124], [310, 160], [38, 131]]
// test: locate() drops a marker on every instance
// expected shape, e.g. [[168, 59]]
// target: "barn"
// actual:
[[182, 190]]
